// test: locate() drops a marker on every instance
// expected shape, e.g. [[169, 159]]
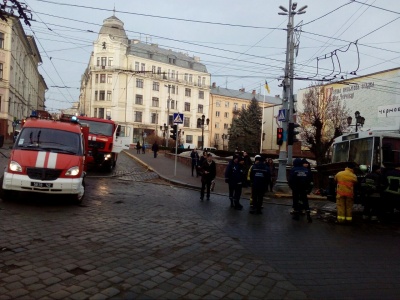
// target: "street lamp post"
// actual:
[[360, 120], [224, 137], [165, 133], [287, 97], [201, 122], [168, 103]]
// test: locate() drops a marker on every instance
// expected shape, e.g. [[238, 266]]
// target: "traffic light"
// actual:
[[292, 133], [279, 136], [173, 132]]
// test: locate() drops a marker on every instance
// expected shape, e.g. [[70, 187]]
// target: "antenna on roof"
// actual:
[[226, 82], [114, 10]]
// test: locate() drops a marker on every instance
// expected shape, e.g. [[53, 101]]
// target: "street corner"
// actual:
[[140, 161]]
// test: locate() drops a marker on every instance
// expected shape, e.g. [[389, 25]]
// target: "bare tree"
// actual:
[[322, 120]]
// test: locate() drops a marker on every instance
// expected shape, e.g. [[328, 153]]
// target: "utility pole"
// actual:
[[287, 95]]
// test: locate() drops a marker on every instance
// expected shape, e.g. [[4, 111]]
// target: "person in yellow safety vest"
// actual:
[[345, 193]]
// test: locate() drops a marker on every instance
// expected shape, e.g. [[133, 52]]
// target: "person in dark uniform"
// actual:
[[234, 177], [195, 161], [260, 178], [299, 182], [209, 170]]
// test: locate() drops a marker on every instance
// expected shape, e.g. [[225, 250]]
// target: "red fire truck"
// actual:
[[48, 157], [105, 142]]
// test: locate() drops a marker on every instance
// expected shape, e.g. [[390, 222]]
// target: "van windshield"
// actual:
[[47, 139]]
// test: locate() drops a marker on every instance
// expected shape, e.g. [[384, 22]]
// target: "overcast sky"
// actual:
[[242, 43]]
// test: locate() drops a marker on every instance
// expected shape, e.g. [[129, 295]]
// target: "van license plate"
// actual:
[[42, 184]]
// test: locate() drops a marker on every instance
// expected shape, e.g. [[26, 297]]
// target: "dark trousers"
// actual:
[[137, 150], [300, 196], [194, 166], [258, 197], [155, 154], [205, 183], [235, 191]]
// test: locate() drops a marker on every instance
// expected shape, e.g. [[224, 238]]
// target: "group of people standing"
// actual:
[[240, 172]]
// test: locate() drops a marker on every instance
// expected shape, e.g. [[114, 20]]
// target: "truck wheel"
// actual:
[[78, 198]]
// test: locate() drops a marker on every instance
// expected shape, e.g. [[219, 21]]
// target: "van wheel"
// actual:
[[78, 198], [5, 195]]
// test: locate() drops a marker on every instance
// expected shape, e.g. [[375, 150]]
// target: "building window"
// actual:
[[101, 113], [172, 89], [96, 95], [226, 126], [136, 66], [103, 62], [171, 60], [204, 81], [109, 96], [139, 99], [173, 74], [243, 106], [154, 118], [139, 83], [156, 86], [96, 78], [226, 104], [109, 78], [102, 78], [226, 115], [187, 106], [155, 102], [98, 61], [190, 78], [216, 136], [217, 113], [159, 70], [186, 76], [189, 139], [138, 116], [216, 125], [218, 104], [110, 61], [153, 69], [95, 112], [102, 95], [172, 104], [186, 122], [188, 92], [201, 94], [143, 67], [200, 109], [235, 106]]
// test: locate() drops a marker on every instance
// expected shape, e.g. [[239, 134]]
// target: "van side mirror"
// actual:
[[118, 130]]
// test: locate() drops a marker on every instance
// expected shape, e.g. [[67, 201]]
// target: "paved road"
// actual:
[[137, 237]]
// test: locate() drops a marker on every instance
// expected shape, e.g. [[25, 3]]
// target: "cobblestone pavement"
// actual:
[[135, 237]]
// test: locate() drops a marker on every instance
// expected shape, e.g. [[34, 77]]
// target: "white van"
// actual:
[[210, 149]]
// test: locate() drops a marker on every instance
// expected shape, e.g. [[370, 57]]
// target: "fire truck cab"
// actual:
[[47, 157]]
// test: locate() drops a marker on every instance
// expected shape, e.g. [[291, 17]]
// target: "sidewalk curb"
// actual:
[[176, 182]]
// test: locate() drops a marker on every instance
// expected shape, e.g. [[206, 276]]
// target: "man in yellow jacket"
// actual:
[[345, 193]]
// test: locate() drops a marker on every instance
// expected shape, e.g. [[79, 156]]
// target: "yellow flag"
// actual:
[[267, 87]]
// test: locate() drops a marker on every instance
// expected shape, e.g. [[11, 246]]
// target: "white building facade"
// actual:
[[376, 96], [22, 88], [141, 85]]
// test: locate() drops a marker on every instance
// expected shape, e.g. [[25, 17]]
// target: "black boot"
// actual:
[[309, 217], [231, 202], [295, 215]]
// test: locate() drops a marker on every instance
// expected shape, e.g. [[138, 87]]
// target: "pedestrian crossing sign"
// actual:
[[178, 118], [282, 115]]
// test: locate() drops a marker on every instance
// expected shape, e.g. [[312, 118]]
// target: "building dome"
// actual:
[[114, 27]]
